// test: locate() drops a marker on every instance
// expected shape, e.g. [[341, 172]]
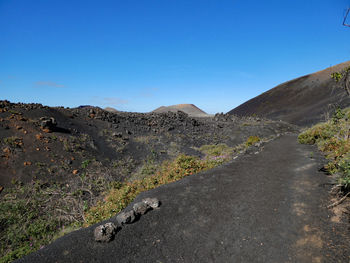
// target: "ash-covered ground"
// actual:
[[55, 144]]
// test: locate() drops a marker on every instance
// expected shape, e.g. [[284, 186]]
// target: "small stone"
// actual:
[[141, 208], [152, 202], [126, 217], [46, 130], [75, 171], [105, 232], [6, 150], [117, 134]]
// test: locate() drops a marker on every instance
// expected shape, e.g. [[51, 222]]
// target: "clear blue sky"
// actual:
[[136, 55]]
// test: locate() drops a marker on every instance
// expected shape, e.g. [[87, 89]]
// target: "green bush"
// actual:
[[333, 138], [344, 169], [306, 138], [338, 115], [252, 140], [216, 150], [318, 133], [85, 163]]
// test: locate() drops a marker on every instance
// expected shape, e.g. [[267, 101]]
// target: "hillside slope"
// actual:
[[302, 101], [190, 109]]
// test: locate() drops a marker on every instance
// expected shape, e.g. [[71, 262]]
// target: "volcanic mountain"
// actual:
[[110, 109], [302, 101], [190, 109]]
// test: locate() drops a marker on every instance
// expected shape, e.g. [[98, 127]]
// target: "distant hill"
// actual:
[[302, 101], [190, 109], [110, 109]]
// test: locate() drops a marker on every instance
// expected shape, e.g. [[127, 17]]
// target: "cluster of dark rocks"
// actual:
[[106, 232], [142, 122], [149, 119], [26, 106], [224, 117]]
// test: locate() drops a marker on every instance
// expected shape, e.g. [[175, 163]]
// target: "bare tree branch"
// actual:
[[345, 17]]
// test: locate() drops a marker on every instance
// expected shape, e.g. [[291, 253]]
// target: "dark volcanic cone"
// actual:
[[190, 109], [302, 101]]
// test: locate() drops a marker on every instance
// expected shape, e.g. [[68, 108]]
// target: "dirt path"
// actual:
[[266, 207]]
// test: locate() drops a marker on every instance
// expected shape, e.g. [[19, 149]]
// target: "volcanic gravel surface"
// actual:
[[262, 207]]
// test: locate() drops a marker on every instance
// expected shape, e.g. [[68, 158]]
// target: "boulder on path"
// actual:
[[152, 202], [141, 208], [126, 217], [105, 232]]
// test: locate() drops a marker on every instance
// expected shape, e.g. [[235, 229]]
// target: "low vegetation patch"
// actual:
[[13, 141], [217, 152], [35, 214], [24, 226], [333, 138], [252, 140]]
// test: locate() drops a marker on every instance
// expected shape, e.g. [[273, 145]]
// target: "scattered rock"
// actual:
[[141, 208], [6, 150], [39, 136], [48, 124], [105, 232], [117, 134], [126, 217], [152, 202]]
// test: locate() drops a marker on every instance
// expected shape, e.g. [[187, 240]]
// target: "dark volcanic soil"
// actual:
[[116, 143], [265, 207], [303, 101]]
